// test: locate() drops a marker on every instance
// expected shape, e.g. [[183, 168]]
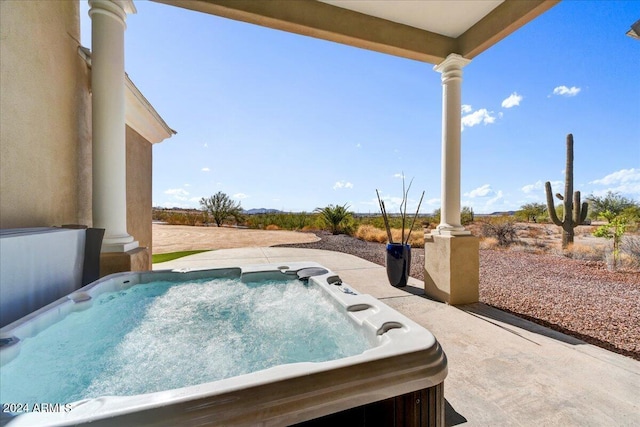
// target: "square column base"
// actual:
[[138, 259], [452, 268]]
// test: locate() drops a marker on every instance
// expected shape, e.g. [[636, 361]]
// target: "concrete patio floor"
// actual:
[[503, 370]]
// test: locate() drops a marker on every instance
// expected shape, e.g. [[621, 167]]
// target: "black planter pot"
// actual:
[[398, 264]]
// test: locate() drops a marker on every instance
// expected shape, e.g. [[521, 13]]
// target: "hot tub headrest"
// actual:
[[305, 273]]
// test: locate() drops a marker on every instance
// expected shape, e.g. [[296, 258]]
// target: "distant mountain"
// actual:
[[260, 211], [510, 213]]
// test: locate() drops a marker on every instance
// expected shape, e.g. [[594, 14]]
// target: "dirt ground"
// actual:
[[173, 238]]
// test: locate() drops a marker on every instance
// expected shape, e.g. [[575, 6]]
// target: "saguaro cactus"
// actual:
[[574, 213]]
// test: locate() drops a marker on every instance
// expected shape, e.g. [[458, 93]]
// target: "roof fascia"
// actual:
[[491, 29], [139, 113], [328, 22], [142, 117]]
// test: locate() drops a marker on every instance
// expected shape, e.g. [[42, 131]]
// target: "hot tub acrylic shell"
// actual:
[[406, 358]]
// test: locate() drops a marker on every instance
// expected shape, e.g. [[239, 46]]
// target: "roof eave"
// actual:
[[321, 20]]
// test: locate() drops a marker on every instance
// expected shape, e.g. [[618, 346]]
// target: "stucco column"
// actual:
[[451, 69], [451, 253], [108, 122]]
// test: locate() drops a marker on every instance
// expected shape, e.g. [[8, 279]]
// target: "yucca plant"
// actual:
[[337, 217]]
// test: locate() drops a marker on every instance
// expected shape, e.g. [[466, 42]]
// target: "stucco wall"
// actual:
[[139, 175], [43, 107]]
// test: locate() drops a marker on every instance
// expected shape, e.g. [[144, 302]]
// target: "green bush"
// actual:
[[337, 218], [466, 216], [284, 221]]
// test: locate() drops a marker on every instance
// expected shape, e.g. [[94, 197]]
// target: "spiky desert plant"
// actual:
[[574, 213], [337, 218]]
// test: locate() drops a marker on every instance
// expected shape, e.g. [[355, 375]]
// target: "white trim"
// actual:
[[117, 9], [127, 6], [139, 113], [142, 117], [453, 62]]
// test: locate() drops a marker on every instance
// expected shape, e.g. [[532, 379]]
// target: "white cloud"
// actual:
[[205, 145], [358, 145], [342, 184], [177, 193], [566, 91], [539, 186], [205, 169], [240, 196], [493, 200], [483, 198], [398, 175], [433, 202], [512, 101], [619, 177], [625, 181], [466, 108], [531, 187], [179, 198], [483, 191], [480, 116]]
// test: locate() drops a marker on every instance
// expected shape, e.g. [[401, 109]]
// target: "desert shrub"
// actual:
[[159, 214], [282, 220], [272, 227], [536, 238], [488, 243], [436, 215], [475, 228], [630, 249], [502, 228], [585, 252], [416, 239], [370, 233], [536, 233], [178, 218], [395, 221], [348, 226], [466, 215], [174, 218], [543, 217]]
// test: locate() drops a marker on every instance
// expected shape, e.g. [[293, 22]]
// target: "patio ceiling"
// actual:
[[422, 30]]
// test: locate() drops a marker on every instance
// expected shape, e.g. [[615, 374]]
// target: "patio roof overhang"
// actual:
[[426, 31]]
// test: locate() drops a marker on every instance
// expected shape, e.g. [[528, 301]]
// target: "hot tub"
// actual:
[[388, 366]]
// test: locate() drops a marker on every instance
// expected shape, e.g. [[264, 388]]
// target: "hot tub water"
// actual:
[[166, 335]]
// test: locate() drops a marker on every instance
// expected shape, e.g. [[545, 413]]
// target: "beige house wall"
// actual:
[[139, 176], [45, 112]]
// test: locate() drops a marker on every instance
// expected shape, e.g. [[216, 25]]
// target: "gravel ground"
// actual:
[[579, 298]]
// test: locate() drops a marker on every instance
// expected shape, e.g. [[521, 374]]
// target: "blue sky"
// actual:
[[278, 120]]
